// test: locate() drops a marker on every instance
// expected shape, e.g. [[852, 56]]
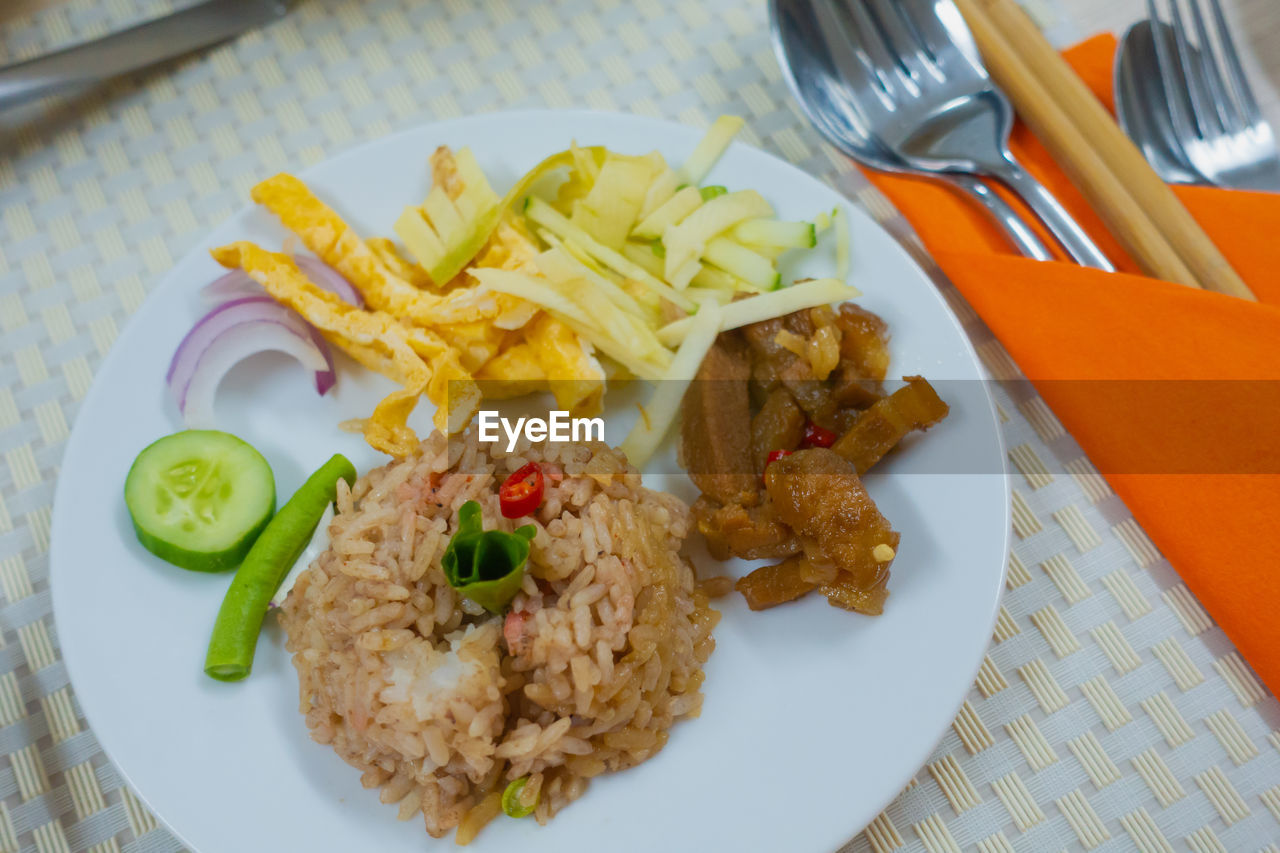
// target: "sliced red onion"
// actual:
[[330, 279], [237, 283], [230, 333], [245, 321]]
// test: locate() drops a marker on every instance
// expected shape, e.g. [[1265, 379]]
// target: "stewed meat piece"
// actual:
[[880, 428], [752, 533], [715, 430], [820, 496]]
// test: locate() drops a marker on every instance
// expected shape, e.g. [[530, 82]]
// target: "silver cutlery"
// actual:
[[136, 47], [1140, 103], [823, 97], [906, 74], [1209, 106]]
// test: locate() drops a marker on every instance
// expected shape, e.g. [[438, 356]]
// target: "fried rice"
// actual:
[[439, 703]]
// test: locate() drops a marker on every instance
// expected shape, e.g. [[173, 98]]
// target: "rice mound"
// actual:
[[440, 703]]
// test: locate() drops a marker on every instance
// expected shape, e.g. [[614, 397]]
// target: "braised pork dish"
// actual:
[[784, 418]]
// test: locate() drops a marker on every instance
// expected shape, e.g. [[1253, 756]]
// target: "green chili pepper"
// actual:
[[487, 566], [511, 799]]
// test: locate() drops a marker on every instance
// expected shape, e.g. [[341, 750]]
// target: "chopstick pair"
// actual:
[[1145, 216]]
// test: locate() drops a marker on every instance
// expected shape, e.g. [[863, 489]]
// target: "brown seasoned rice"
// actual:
[[438, 702]]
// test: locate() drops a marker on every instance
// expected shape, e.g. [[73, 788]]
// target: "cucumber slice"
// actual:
[[199, 499]]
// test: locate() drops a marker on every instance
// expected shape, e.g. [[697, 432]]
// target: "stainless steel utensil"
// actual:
[[1211, 109], [136, 47], [1140, 104], [913, 78], [943, 108], [826, 99]]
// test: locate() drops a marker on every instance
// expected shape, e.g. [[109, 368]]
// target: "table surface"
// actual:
[[1110, 712]]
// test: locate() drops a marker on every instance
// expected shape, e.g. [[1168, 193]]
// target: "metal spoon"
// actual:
[[826, 99]]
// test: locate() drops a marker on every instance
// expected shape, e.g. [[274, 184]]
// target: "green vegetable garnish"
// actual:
[[711, 192], [487, 566], [199, 499], [235, 633], [658, 249], [511, 799]]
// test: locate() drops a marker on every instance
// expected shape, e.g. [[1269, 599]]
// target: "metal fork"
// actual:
[[1215, 117], [827, 99], [924, 91]]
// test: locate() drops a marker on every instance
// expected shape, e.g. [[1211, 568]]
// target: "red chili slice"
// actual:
[[521, 493], [774, 456], [816, 436]]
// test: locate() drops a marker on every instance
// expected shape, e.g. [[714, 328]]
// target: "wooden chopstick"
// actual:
[[1081, 162], [1139, 208]]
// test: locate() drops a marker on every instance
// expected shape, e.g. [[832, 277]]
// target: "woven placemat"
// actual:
[[1110, 713]]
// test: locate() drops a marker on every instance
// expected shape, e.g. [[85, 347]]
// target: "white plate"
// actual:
[[814, 718]]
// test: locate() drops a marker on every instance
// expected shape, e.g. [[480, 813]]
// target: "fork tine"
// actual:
[[1235, 72], [1193, 72], [942, 43], [836, 118], [903, 40], [851, 61], [1220, 100], [867, 34], [1171, 78]]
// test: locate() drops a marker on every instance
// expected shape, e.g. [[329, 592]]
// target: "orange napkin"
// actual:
[[1194, 456]]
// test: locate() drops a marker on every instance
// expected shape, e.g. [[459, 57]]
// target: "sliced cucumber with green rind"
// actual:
[[199, 499]]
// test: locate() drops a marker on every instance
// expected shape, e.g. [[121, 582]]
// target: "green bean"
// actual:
[[235, 633]]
